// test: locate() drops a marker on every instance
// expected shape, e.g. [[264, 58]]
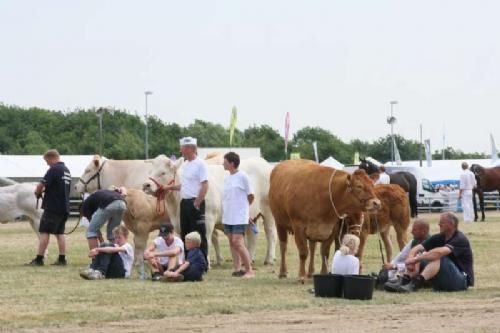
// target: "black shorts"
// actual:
[[53, 223]]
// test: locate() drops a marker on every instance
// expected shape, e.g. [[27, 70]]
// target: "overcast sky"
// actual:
[[333, 64]]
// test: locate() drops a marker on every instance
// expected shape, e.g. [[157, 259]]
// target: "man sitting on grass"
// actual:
[[166, 253], [194, 266], [447, 261]]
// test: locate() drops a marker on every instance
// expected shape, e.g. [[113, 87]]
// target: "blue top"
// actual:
[[99, 199], [197, 265], [57, 182]]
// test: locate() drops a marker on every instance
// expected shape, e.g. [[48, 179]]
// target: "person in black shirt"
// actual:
[[56, 183], [101, 207], [447, 261]]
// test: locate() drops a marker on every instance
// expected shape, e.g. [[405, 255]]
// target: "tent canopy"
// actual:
[[332, 163]]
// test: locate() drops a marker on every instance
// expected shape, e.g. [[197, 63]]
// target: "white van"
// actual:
[[427, 196]]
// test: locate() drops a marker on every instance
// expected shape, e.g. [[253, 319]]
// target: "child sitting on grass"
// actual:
[[111, 261], [195, 264]]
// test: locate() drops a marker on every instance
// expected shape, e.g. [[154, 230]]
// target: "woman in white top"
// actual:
[[344, 262], [236, 201]]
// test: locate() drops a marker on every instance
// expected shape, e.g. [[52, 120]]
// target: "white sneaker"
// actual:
[[95, 275]]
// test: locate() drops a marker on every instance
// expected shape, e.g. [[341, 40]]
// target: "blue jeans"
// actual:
[[112, 214], [449, 277]]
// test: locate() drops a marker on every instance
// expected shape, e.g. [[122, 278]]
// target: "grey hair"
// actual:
[[451, 218]]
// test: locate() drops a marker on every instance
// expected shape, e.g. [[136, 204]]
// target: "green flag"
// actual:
[[356, 158], [232, 125]]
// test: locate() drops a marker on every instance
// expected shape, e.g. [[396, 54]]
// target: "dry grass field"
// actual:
[[56, 299]]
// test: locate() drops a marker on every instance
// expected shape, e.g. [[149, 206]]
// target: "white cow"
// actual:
[[165, 170], [19, 200], [101, 173]]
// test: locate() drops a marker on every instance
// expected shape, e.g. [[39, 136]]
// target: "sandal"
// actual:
[[239, 273]]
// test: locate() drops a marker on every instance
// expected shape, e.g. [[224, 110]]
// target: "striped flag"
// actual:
[[287, 131], [232, 125]]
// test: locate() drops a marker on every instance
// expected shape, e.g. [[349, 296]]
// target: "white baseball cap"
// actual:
[[188, 141]]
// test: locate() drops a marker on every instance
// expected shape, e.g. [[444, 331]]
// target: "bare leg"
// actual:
[[93, 242], [43, 243], [61, 244], [234, 254], [242, 252]]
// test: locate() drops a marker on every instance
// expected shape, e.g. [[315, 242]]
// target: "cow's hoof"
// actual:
[[283, 275], [301, 280], [482, 220], [268, 263]]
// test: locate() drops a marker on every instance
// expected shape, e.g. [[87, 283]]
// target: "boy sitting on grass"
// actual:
[[194, 266], [111, 261]]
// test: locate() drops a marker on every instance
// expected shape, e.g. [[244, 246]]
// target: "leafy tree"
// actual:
[[272, 145]]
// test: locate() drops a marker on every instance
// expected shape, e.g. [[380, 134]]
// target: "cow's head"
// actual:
[[361, 187], [164, 171], [90, 179]]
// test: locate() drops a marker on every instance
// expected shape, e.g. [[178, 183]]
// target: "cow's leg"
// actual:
[[283, 237], [361, 249], [301, 241], [325, 252], [140, 240], [216, 246], [401, 235], [210, 225], [270, 229], [387, 243], [312, 251], [481, 203], [250, 242]]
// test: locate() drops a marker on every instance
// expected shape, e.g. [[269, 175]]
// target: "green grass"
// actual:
[[41, 297]]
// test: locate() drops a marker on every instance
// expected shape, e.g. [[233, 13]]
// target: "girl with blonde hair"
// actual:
[[344, 261]]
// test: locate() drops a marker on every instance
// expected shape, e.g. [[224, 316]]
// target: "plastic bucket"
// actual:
[[328, 285], [358, 286]]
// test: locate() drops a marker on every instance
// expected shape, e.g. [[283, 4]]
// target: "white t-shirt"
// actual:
[[383, 178], [467, 180], [235, 207], [127, 258], [193, 174], [345, 264], [162, 246]]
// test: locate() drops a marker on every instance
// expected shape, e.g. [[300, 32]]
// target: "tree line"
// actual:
[[33, 130]]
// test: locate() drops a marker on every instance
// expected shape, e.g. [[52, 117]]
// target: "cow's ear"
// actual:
[[348, 182], [97, 160]]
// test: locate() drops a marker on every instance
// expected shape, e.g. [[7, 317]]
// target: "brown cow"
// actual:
[[395, 211], [141, 217], [308, 200]]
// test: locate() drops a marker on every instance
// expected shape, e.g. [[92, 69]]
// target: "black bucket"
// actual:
[[358, 286], [328, 285]]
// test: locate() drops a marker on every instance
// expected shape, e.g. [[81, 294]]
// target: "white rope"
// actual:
[[331, 197]]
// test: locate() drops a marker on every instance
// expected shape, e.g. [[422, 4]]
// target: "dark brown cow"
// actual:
[[489, 177], [308, 200]]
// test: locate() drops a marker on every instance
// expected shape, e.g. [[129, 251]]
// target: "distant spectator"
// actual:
[[467, 184], [383, 177]]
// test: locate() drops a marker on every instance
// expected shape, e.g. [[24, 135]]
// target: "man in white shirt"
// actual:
[[383, 177], [166, 253], [467, 184], [193, 189], [420, 232]]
